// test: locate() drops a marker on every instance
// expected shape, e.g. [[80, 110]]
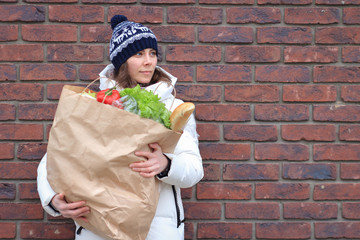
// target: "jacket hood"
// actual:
[[161, 88]]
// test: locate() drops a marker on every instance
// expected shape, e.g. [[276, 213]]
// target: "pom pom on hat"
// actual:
[[115, 20], [128, 38]]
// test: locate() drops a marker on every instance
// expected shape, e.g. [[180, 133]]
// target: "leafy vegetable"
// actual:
[[148, 105]]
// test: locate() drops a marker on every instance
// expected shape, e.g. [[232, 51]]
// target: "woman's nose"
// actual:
[[147, 58]]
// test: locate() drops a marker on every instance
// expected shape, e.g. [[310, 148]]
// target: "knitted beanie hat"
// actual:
[[127, 39]]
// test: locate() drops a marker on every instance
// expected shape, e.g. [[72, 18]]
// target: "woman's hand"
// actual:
[[155, 164], [75, 210]]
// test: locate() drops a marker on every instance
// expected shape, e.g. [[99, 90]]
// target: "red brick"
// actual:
[[20, 211], [337, 2], [167, 1], [189, 230], [283, 230], [309, 210], [21, 91], [31, 151], [248, 54], [8, 33], [43, 230], [311, 15], [337, 230], [51, 1], [309, 171], [202, 210], [350, 54], [252, 93], [350, 171], [221, 191], [54, 91], [349, 132], [244, 172], [310, 54], [7, 192], [199, 93], [282, 191], [288, 35], [21, 52], [18, 170], [23, 13], [7, 72], [223, 112], [18, 131], [260, 15], [141, 14], [209, 131], [345, 74], [47, 72], [337, 191], [41, 111], [211, 171], [194, 15], [226, 34], [224, 73], [337, 152], [252, 210], [241, 2], [95, 33], [90, 71], [49, 33], [224, 230], [351, 210], [351, 15], [182, 53], [257, 133], [336, 113], [75, 53], [186, 193], [281, 112], [78, 14], [350, 93], [8, 111], [225, 151], [309, 93], [281, 151], [7, 150], [174, 34], [285, 2], [337, 35], [291, 74], [28, 191], [7, 230], [184, 73], [307, 132]]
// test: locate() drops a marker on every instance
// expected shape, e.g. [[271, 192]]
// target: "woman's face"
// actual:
[[142, 65]]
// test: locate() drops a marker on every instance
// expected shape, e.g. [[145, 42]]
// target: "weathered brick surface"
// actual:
[[276, 84]]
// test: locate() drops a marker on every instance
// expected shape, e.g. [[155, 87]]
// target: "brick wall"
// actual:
[[277, 89]]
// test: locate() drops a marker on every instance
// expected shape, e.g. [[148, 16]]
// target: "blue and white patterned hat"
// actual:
[[127, 39]]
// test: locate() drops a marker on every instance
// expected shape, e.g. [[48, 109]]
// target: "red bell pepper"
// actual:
[[107, 96]]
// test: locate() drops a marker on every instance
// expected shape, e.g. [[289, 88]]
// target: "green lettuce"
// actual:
[[146, 104]]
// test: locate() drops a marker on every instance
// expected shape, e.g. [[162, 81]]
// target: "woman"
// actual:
[[133, 53]]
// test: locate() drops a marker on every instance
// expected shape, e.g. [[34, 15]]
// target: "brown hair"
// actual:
[[122, 77]]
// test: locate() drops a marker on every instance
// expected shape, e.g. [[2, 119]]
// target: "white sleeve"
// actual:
[[46, 193], [186, 164]]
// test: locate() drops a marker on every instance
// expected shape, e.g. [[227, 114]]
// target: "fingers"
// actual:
[[75, 210]]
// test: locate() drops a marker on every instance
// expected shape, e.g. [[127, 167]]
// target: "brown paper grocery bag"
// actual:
[[90, 147]]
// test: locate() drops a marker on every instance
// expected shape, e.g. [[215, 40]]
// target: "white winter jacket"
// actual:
[[186, 170]]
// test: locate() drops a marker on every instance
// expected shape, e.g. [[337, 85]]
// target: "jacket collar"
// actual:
[[161, 89]]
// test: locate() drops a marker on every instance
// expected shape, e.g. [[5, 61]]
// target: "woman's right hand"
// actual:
[[75, 210]]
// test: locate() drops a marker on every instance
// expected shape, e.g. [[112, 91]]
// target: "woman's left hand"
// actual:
[[155, 162]]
